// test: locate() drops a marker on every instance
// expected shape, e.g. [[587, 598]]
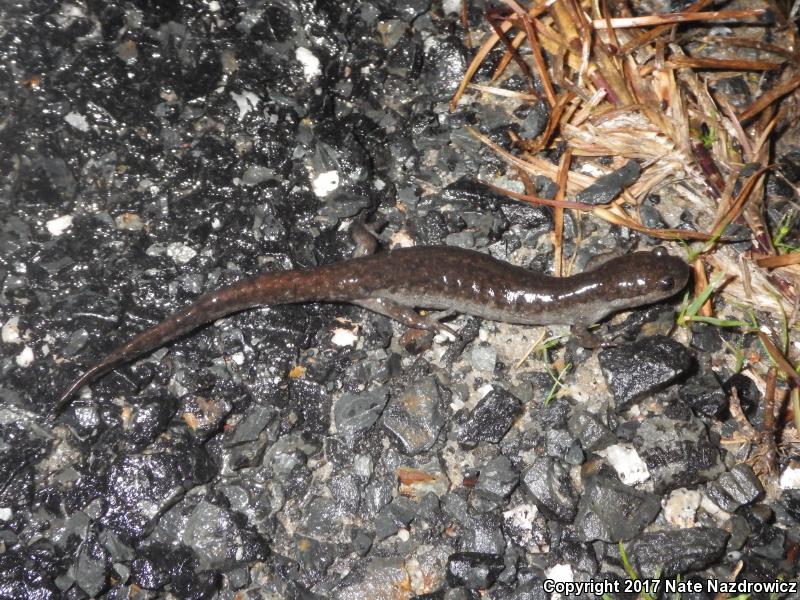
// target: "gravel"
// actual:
[[154, 151]]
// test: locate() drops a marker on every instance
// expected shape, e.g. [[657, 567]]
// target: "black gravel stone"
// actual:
[[607, 187], [415, 417], [677, 453], [496, 481], [484, 534], [219, 540], [736, 89], [591, 433], [747, 392], [473, 570], [491, 418], [634, 371], [140, 487], [355, 414], [704, 394], [549, 485], [790, 165], [535, 220], [150, 573], [201, 585], [612, 511], [735, 488], [706, 337], [30, 571], [536, 120], [315, 557], [362, 542], [259, 426], [154, 151], [791, 502], [668, 553], [92, 567], [651, 217], [398, 513], [203, 416], [558, 442]]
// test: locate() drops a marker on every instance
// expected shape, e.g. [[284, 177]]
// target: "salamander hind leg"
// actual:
[[582, 335], [404, 314]]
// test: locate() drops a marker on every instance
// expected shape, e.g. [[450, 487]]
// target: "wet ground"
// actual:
[[151, 151]]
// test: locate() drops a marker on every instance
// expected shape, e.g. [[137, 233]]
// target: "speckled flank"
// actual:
[[436, 277]]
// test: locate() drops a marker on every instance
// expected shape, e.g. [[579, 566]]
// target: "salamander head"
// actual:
[[644, 277]]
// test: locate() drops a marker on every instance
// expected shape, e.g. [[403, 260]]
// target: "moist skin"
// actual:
[[445, 278]]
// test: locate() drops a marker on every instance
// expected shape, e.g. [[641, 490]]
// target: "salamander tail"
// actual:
[[96, 371]]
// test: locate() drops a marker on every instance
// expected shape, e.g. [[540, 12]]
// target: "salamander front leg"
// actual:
[[405, 315], [365, 238]]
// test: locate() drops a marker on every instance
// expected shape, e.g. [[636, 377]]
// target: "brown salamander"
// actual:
[[435, 277]]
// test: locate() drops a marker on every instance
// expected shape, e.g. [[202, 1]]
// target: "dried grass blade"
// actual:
[[648, 37], [741, 136], [464, 15], [496, 91], [680, 17], [558, 213], [783, 260], [505, 155], [508, 57], [663, 234], [680, 62], [603, 213], [515, 55], [532, 199], [700, 283], [552, 124], [777, 356], [749, 43], [484, 50], [612, 33], [735, 210], [535, 49], [768, 98]]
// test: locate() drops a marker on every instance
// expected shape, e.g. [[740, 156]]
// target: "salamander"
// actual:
[[451, 279]]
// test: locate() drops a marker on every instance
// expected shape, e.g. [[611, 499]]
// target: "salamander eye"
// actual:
[[659, 251], [666, 283]]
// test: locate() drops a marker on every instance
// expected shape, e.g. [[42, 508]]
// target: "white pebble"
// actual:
[[181, 253], [627, 463], [790, 478], [10, 333], [59, 225], [246, 101], [77, 120], [310, 63], [681, 507], [344, 337], [324, 183], [25, 358], [561, 573]]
